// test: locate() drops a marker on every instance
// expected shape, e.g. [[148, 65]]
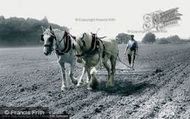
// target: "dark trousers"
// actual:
[[131, 57]]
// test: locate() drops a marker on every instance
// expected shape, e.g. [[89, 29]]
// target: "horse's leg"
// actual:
[[81, 77], [87, 80], [101, 50], [113, 65], [89, 77], [100, 58], [73, 79], [107, 66], [93, 81], [64, 83]]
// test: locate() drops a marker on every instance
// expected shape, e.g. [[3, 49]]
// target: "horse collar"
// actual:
[[95, 43], [67, 44]]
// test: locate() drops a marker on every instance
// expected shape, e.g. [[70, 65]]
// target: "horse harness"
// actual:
[[67, 42], [95, 46]]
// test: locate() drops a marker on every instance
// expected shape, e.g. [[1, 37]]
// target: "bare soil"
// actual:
[[159, 87]]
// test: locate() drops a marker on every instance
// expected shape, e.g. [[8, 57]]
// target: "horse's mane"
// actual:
[[58, 33], [89, 36], [104, 39]]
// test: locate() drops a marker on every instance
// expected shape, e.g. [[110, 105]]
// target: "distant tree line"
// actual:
[[26, 32], [123, 38], [171, 39], [22, 32], [150, 38]]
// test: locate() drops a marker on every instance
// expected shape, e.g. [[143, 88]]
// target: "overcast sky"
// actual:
[[118, 15]]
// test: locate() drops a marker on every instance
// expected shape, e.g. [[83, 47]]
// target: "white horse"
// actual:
[[93, 51], [62, 43]]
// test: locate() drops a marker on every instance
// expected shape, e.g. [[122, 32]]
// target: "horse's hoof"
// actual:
[[74, 81], [63, 89], [109, 85], [86, 82], [89, 88], [94, 84], [79, 84]]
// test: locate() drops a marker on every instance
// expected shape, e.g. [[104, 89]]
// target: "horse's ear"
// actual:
[[66, 32], [50, 28], [93, 34], [42, 37], [74, 37], [83, 35], [43, 29]]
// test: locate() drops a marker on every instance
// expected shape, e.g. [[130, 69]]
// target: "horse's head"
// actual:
[[83, 44], [48, 38]]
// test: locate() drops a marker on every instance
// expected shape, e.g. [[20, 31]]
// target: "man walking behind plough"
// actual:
[[131, 51]]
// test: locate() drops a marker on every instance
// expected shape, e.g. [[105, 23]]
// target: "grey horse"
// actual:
[[62, 43], [94, 51]]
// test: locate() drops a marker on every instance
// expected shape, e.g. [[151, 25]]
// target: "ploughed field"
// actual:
[[159, 87]]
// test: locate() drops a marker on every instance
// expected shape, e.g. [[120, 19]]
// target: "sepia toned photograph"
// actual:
[[94, 59]]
